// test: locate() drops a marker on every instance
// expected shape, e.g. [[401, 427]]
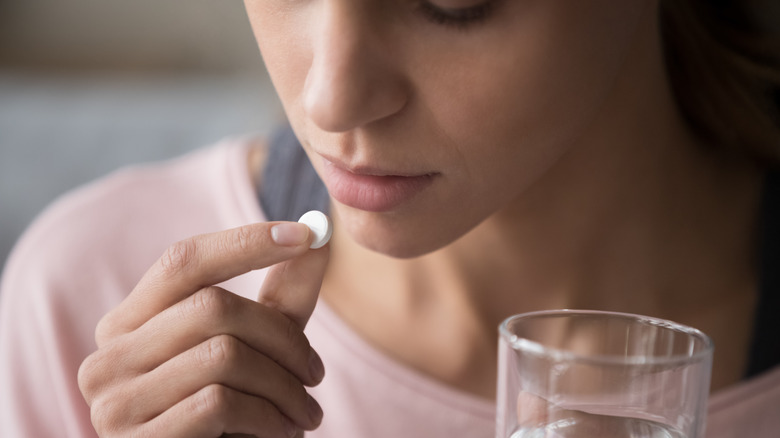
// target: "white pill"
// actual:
[[320, 225]]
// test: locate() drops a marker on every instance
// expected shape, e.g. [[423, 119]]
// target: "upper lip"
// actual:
[[367, 170]]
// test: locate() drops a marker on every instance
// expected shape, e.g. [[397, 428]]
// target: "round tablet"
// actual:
[[320, 225]]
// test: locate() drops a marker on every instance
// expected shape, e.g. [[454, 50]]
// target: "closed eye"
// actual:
[[456, 17]]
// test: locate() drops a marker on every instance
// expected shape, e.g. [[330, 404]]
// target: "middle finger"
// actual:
[[227, 361], [214, 311]]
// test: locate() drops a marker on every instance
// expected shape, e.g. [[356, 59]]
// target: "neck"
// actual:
[[668, 238]]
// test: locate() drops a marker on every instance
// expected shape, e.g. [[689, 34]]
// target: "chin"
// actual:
[[398, 235], [396, 248]]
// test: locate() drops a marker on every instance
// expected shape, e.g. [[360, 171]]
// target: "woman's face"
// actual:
[[425, 117]]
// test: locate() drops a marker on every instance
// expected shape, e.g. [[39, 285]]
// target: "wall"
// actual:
[[89, 86], [146, 35]]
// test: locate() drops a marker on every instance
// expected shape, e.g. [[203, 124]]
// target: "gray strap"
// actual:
[[290, 186]]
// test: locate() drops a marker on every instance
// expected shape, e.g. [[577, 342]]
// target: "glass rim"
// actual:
[[559, 354]]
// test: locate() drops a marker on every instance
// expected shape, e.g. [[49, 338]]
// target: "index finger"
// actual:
[[200, 261]]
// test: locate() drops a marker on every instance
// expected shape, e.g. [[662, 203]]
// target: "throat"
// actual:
[[419, 320]]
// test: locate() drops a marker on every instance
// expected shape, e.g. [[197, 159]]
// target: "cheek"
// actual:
[[540, 85], [286, 52]]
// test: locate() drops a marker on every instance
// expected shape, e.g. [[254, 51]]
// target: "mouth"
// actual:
[[373, 189]]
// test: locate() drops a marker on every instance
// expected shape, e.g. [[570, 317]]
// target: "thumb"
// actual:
[[293, 286]]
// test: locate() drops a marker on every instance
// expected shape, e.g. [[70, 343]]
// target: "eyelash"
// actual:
[[459, 18]]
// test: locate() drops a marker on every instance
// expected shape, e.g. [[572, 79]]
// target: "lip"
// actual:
[[372, 189]]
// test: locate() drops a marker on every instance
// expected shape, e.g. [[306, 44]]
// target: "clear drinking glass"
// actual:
[[593, 374]]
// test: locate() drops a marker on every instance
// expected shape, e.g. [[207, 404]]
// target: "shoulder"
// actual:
[[84, 254], [93, 243]]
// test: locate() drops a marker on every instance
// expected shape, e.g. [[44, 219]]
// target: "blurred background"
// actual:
[[87, 86]]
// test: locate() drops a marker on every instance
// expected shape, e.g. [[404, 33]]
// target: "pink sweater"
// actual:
[[82, 256]]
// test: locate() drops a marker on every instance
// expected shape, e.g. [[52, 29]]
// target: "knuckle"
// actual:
[[239, 240], [292, 335], [211, 301], [210, 401], [104, 413], [242, 238], [178, 256], [95, 376], [106, 371], [105, 330], [219, 351], [98, 416], [86, 378]]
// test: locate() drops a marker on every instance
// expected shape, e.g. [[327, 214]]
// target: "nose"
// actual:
[[353, 79]]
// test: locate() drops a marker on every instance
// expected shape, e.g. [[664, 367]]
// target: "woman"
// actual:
[[482, 157]]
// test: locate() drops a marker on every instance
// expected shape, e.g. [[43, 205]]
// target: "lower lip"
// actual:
[[372, 192]]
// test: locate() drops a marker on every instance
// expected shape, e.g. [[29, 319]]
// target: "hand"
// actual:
[[180, 357]]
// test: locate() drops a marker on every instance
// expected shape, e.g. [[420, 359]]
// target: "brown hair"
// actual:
[[724, 67]]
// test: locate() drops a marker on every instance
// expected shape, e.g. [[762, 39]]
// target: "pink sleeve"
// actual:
[[82, 257], [749, 409], [42, 343], [71, 267]]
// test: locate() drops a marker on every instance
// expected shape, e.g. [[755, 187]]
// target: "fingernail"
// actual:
[[289, 233], [315, 411], [316, 367]]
